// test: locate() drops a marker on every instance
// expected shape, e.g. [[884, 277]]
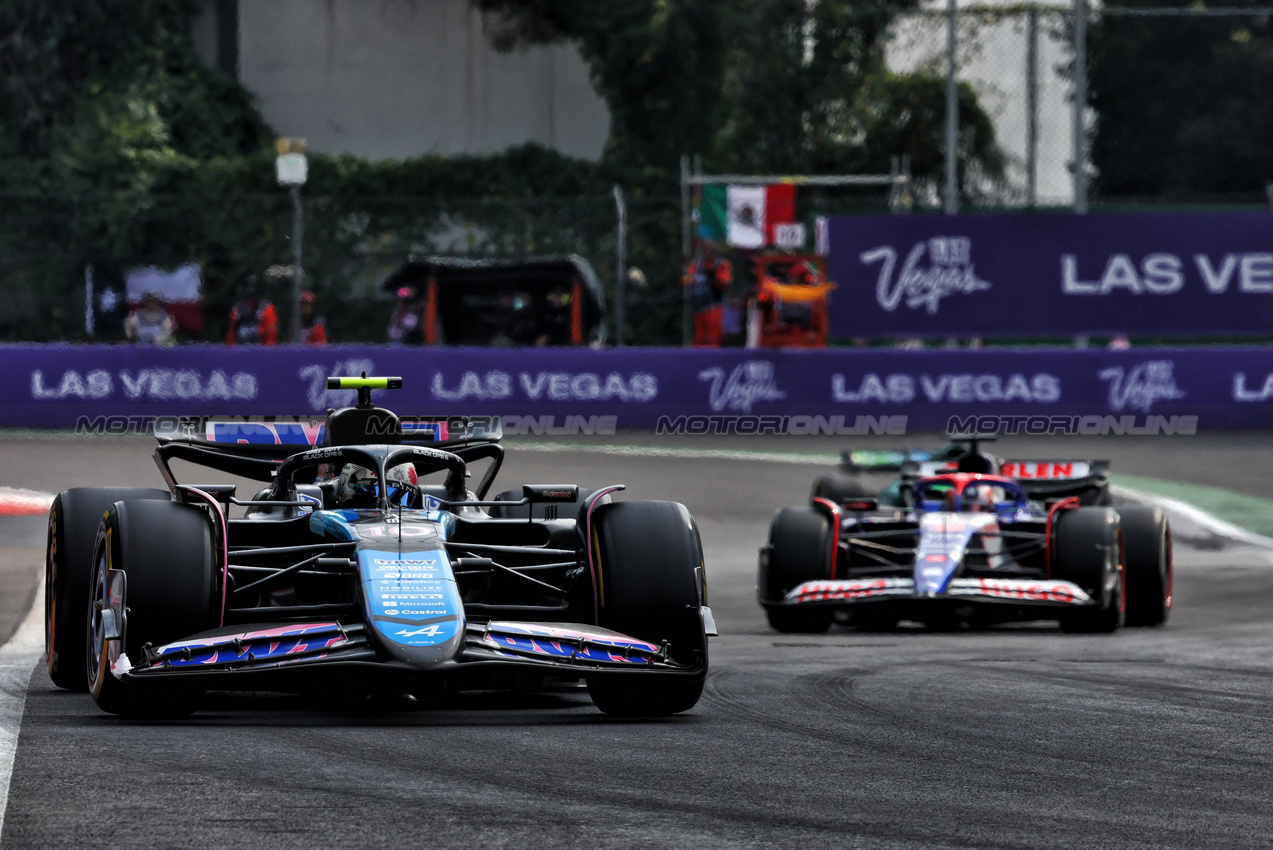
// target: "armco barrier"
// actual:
[[1224, 388]]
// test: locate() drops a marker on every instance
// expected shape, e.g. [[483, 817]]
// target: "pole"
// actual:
[[298, 228], [88, 300], [952, 114], [621, 261], [1032, 107], [1080, 106], [685, 248]]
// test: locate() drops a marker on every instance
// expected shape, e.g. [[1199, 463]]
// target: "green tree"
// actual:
[[754, 85], [1184, 104]]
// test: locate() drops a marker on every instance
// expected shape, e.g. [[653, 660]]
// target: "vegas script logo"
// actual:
[[949, 271]]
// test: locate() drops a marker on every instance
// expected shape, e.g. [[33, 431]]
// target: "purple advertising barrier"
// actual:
[[1055, 274], [847, 391]]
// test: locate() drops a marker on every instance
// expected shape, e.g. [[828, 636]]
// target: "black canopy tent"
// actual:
[[554, 300]]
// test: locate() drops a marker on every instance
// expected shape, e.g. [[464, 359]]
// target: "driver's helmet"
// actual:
[[358, 487], [979, 497]]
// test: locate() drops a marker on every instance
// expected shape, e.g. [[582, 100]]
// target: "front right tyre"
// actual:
[[68, 569], [801, 548], [166, 553]]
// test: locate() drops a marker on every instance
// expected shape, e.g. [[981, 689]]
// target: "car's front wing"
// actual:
[[991, 590], [252, 659]]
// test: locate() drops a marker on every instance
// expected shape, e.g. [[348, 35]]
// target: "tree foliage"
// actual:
[[753, 85], [1184, 104]]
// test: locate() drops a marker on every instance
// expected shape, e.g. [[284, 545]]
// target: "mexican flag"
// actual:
[[745, 216]]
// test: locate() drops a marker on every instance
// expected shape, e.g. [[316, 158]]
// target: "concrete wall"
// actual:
[[400, 78]]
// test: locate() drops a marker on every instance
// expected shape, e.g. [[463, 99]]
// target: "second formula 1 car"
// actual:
[[970, 550]]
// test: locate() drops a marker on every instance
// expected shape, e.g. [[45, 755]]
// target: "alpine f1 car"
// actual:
[[1042, 480], [970, 549], [349, 573]]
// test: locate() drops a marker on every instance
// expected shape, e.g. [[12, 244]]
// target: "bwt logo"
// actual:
[[748, 383], [1143, 385], [950, 272]]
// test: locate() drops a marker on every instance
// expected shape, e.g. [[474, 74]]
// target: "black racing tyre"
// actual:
[[1087, 550], [1147, 564], [649, 571], [800, 550], [166, 552], [839, 488], [68, 569], [565, 510]]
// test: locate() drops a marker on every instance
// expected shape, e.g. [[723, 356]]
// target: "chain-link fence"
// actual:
[[1178, 99], [50, 244]]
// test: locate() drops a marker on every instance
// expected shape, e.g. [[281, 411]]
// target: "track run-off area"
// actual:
[[1011, 737]]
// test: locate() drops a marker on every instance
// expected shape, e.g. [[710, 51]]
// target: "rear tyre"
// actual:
[[650, 587], [800, 550], [1087, 550], [68, 570], [1147, 554], [839, 488], [166, 552]]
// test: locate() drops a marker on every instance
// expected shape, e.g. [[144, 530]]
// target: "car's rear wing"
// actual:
[[281, 436], [1050, 480]]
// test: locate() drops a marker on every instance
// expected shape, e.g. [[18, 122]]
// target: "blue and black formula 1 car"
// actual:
[[348, 573]]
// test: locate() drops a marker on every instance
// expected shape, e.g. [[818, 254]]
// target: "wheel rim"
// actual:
[[96, 641]]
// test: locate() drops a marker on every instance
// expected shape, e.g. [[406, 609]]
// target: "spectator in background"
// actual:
[[707, 279], [556, 324], [313, 328], [150, 323], [253, 321], [404, 324]]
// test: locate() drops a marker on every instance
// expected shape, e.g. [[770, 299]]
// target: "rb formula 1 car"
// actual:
[[973, 550], [346, 574]]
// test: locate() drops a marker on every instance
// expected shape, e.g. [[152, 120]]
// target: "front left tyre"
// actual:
[[650, 578], [1147, 550], [1088, 551], [167, 555]]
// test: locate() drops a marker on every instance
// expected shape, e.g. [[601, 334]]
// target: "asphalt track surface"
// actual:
[[1013, 737]]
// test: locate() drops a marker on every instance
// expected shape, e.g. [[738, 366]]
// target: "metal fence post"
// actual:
[[298, 229], [685, 248], [1080, 105], [621, 260], [952, 114], [1032, 106]]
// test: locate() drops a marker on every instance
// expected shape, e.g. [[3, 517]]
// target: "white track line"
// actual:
[[1196, 515], [18, 658]]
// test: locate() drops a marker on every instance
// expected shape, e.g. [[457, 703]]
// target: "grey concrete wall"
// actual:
[[400, 78]]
